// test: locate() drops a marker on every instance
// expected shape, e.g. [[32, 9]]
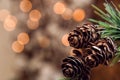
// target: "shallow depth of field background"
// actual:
[[33, 38]]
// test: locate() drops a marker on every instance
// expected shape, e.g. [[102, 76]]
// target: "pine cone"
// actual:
[[75, 69], [108, 47], [101, 53], [82, 36]]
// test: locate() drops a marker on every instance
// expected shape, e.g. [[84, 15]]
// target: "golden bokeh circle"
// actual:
[[25, 5], [79, 15], [64, 40], [59, 7], [23, 38], [10, 23], [67, 15], [35, 15], [17, 47]]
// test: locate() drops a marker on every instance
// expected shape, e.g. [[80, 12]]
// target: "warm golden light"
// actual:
[[59, 8], [44, 41], [35, 15], [23, 38], [32, 24], [79, 15], [65, 40], [25, 5], [67, 15], [10, 23], [3, 14], [17, 47]]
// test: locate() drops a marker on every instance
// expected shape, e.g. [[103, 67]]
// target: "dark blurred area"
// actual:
[[34, 38]]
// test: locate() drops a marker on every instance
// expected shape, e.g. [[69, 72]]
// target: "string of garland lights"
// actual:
[[93, 46]]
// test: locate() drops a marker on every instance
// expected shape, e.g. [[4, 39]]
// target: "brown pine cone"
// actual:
[[107, 45], [82, 36], [74, 68], [101, 53]]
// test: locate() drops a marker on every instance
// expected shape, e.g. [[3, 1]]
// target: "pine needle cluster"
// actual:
[[111, 23]]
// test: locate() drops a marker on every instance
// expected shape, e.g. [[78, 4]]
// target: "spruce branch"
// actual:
[[111, 24]]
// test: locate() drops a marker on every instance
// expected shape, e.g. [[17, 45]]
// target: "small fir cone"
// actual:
[[101, 53], [109, 48], [74, 68], [95, 56], [82, 36]]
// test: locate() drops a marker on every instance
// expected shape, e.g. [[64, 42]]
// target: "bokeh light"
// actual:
[[17, 47], [67, 15], [59, 8], [44, 41], [3, 14], [35, 15], [32, 24], [23, 38], [65, 40], [10, 23], [79, 15], [25, 5]]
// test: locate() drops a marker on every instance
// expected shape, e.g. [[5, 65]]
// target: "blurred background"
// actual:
[[34, 38]]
